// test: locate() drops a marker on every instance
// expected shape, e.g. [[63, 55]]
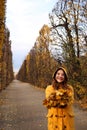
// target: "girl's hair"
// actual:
[[64, 83]]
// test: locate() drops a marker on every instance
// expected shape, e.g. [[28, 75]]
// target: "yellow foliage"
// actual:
[[59, 98], [80, 91]]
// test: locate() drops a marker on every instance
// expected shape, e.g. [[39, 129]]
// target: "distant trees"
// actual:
[[40, 64]]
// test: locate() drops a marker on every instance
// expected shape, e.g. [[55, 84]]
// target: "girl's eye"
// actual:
[[60, 74]]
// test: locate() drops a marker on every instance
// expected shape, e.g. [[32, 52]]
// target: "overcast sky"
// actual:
[[24, 19]]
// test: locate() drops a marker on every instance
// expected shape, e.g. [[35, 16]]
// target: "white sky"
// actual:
[[24, 19]]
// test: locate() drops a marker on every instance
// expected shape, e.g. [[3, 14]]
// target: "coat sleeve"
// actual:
[[48, 91]]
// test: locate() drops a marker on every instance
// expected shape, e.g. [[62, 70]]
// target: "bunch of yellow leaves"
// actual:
[[60, 98]]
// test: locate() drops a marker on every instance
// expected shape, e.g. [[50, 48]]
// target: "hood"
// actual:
[[61, 68]]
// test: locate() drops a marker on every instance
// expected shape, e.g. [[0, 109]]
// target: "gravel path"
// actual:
[[21, 109]]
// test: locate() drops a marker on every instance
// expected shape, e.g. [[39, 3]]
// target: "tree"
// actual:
[[68, 26]]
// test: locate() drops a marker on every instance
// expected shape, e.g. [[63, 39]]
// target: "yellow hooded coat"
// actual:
[[60, 118]]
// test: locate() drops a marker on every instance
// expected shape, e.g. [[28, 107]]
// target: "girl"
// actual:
[[59, 100]]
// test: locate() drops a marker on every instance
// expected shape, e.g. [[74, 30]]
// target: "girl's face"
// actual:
[[60, 76]]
